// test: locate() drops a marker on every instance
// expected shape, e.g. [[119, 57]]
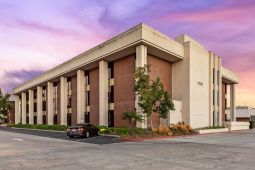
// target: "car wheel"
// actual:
[[70, 136], [87, 135]]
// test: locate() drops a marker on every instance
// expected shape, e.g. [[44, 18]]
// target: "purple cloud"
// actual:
[[16, 77]]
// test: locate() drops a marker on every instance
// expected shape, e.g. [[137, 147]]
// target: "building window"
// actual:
[[69, 119], [111, 118], [35, 101], [55, 119], [110, 70], [35, 120], [86, 77], [27, 102], [44, 97], [87, 98], [44, 106], [55, 98], [44, 120], [69, 93], [27, 120], [111, 94], [35, 107], [87, 117]]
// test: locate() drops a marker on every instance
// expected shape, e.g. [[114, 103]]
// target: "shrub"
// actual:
[[162, 130], [181, 129], [139, 132], [44, 127], [102, 127], [124, 131], [132, 116]]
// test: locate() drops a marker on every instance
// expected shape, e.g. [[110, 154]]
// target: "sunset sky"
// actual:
[[38, 35]]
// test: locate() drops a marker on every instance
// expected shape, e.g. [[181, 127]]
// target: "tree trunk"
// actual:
[[151, 124]]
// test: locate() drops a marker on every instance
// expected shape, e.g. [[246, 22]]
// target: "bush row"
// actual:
[[44, 127], [162, 130]]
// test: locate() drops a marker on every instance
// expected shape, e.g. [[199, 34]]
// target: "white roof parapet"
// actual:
[[186, 38], [134, 36], [229, 75]]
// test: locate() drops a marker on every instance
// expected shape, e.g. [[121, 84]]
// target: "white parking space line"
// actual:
[[18, 140]]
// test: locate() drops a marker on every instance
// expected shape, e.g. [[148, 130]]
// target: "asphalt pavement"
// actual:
[[102, 139], [26, 150]]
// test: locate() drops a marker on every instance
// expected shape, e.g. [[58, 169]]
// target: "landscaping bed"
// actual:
[[125, 132], [162, 131]]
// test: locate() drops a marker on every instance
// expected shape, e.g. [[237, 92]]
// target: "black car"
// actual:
[[83, 130]]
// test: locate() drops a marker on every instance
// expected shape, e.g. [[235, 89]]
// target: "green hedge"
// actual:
[[44, 127]]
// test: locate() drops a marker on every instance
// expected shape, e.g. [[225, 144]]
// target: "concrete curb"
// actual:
[[110, 135], [209, 131]]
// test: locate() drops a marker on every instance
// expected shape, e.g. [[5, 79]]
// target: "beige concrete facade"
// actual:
[[17, 110], [193, 76], [39, 105], [103, 93], [63, 100], [80, 95]]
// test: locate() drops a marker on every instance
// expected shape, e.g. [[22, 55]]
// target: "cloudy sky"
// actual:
[[36, 35]]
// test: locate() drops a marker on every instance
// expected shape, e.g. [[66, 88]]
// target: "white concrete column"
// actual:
[[141, 56], [220, 93], [80, 96], [103, 93], [39, 105], [50, 103], [215, 92], [141, 61], [31, 106], [63, 100], [23, 107], [17, 109], [211, 86], [233, 102]]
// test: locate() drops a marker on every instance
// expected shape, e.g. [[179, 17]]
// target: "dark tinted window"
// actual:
[[88, 125]]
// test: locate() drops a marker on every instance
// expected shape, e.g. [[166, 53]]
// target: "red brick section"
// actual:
[[124, 95], [58, 104], [94, 96], [162, 69], [223, 101], [74, 99]]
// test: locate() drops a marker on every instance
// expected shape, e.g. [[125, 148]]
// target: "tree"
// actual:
[[4, 104], [151, 94], [132, 116]]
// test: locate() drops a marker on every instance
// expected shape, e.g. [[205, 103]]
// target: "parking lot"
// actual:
[[62, 135], [21, 150]]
